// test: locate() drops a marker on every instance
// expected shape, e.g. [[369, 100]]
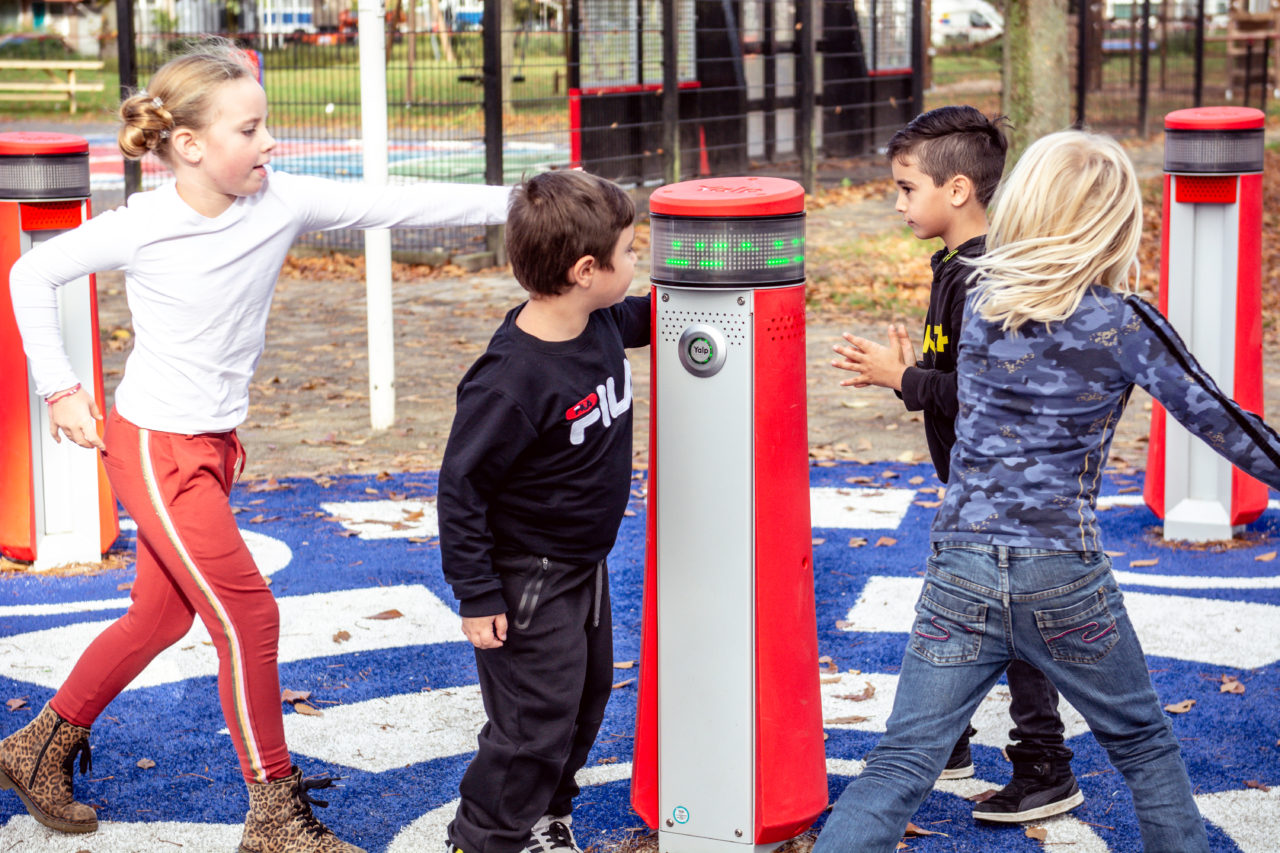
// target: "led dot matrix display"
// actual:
[[728, 232]]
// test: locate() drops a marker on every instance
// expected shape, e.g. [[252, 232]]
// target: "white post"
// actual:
[[377, 243]]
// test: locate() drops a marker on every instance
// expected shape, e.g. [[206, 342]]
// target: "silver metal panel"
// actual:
[[1203, 241], [674, 842], [705, 576], [68, 520]]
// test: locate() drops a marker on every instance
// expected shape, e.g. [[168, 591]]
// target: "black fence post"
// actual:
[[1144, 77], [670, 93], [493, 88], [918, 48], [127, 53], [1199, 100], [1082, 59], [805, 93]]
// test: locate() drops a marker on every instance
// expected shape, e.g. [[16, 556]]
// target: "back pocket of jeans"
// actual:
[[948, 628], [1079, 633]]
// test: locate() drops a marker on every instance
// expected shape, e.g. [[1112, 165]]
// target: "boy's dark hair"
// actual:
[[952, 141], [555, 218]]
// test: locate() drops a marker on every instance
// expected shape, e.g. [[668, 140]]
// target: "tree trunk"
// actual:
[[1037, 89], [508, 51]]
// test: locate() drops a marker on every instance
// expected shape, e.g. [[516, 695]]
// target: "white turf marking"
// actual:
[[386, 519], [429, 832], [307, 626], [1109, 501], [23, 833], [859, 509], [1063, 829], [1247, 816], [1236, 634], [991, 719], [270, 554], [391, 731]]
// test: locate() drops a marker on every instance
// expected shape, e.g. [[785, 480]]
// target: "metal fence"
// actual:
[[650, 91]]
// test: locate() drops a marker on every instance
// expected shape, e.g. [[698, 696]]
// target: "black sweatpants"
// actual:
[[1037, 729], [544, 691]]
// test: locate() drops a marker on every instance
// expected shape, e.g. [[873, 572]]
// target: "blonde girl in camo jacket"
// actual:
[[201, 255]]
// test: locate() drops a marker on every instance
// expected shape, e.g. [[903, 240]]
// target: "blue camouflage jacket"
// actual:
[[1038, 409]]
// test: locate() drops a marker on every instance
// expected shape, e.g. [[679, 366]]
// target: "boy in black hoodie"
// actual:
[[947, 163], [535, 480]]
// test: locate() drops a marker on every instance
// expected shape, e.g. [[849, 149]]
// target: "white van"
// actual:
[[964, 22]]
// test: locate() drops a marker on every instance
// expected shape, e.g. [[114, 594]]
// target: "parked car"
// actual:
[[964, 22]]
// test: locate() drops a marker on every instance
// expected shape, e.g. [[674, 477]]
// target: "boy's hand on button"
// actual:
[[485, 632]]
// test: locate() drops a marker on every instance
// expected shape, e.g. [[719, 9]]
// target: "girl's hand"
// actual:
[[77, 416]]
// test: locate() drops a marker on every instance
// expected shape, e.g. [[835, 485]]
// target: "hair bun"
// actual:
[[145, 124]]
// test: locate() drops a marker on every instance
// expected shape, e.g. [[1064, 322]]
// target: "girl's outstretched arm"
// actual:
[[1156, 358]]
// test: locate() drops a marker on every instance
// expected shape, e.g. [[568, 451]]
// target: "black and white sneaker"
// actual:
[[1036, 791], [552, 833], [960, 764]]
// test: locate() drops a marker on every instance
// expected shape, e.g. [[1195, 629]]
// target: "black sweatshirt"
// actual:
[[539, 455], [931, 384]]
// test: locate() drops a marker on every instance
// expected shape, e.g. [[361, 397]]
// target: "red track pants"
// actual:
[[191, 559]]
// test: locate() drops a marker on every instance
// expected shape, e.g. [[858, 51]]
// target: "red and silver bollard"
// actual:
[[729, 742], [1211, 291], [57, 506]]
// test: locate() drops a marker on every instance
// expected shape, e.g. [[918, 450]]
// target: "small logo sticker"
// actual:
[[681, 814]]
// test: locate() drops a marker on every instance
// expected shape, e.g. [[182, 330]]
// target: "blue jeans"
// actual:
[[981, 607]]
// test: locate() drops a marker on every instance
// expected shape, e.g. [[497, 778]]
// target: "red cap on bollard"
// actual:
[[721, 197], [1214, 140]]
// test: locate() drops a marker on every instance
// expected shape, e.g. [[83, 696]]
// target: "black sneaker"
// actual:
[[960, 764], [551, 833], [1036, 791]]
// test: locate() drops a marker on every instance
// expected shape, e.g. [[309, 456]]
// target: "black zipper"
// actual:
[[39, 758], [529, 599]]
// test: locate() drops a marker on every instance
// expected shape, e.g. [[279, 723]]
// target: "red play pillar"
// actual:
[[57, 507], [1211, 291], [729, 743]]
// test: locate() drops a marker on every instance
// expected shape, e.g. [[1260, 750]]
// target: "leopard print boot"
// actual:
[[280, 819], [37, 762]]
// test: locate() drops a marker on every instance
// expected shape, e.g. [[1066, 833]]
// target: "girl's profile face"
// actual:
[[236, 144]]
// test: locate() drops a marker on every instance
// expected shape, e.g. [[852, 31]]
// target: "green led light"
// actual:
[[746, 246], [778, 244], [675, 244], [720, 244], [677, 262], [777, 262], [711, 263], [798, 259], [796, 241], [699, 245]]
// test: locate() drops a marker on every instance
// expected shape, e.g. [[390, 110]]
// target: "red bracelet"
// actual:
[[62, 395]]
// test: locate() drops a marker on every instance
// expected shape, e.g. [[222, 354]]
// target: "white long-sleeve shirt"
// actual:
[[200, 288]]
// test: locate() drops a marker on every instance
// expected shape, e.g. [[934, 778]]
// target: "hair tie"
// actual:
[[156, 102], [164, 134]]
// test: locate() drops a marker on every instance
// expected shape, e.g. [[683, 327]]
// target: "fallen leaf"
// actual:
[[146, 763], [1114, 554], [983, 796], [885, 541], [861, 696], [857, 542], [623, 664], [915, 481], [292, 696], [1254, 783], [1039, 833], [835, 679], [15, 704], [1180, 707], [341, 637], [928, 504], [817, 542], [387, 614], [626, 683], [845, 721], [125, 585], [307, 710], [826, 664], [842, 625], [1137, 564], [1231, 684], [1266, 558], [413, 516], [913, 830]]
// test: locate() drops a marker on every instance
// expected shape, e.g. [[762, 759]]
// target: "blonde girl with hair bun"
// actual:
[[201, 255], [1051, 346]]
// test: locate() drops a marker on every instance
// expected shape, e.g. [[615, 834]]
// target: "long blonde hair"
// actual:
[[180, 94], [1069, 215]]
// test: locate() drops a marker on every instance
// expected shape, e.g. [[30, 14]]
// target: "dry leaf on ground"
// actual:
[[1180, 707]]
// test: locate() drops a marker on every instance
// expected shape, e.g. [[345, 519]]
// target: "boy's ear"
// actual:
[[960, 190], [582, 271], [185, 144]]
